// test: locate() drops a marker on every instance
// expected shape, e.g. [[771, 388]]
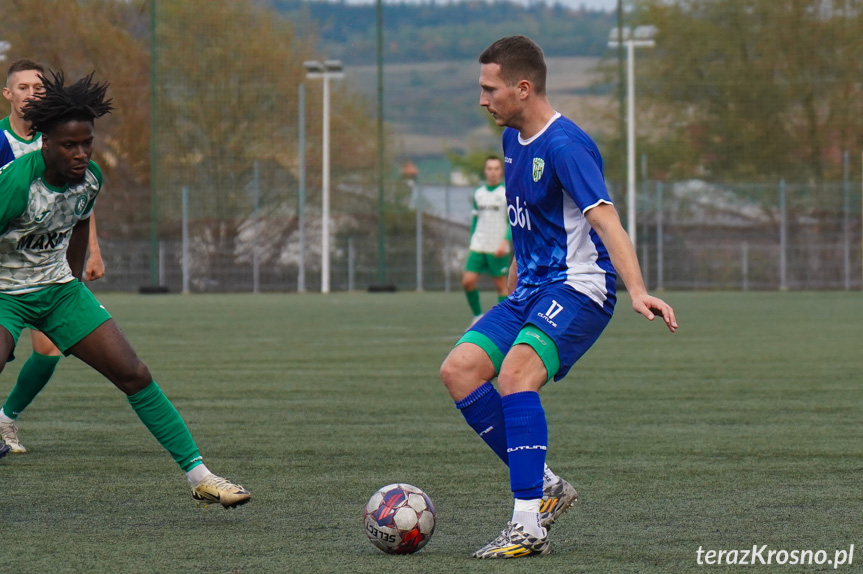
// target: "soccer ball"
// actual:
[[399, 519]]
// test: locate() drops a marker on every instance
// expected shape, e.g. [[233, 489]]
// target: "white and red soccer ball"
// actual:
[[399, 519]]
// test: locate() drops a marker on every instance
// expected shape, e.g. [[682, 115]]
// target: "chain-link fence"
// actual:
[[695, 235], [691, 235], [213, 161], [238, 174]]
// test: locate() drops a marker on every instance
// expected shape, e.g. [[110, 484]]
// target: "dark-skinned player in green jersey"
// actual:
[[46, 199]]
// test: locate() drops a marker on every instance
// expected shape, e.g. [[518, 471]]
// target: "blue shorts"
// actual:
[[572, 320]]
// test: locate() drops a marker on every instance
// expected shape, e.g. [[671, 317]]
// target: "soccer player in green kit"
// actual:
[[46, 199], [23, 81], [489, 237]]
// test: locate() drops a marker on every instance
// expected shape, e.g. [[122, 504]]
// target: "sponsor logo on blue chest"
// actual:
[[518, 214], [538, 166]]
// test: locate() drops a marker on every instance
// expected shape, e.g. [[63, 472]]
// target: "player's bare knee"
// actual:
[[447, 372], [141, 375], [7, 344], [460, 378], [506, 382], [518, 380], [135, 379], [453, 376]]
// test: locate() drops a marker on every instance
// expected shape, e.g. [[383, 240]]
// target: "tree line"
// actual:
[[752, 90], [225, 77], [745, 90], [435, 31]]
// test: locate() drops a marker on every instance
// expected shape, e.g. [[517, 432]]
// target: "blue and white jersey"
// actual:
[[552, 179], [12, 146]]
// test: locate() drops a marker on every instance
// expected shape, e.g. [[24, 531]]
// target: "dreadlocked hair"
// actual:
[[82, 101]]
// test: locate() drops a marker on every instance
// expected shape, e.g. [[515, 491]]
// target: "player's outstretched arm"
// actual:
[[606, 222], [95, 266], [77, 249]]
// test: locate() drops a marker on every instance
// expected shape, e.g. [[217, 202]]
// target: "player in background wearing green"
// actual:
[[489, 237], [22, 83], [46, 200]]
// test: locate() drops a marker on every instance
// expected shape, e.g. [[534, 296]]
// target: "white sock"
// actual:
[[197, 475], [526, 513], [4, 418], [548, 477]]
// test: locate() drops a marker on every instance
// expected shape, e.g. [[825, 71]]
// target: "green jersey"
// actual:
[[36, 219]]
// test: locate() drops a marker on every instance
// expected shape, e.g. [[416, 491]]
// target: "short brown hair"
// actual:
[[519, 58], [24, 64]]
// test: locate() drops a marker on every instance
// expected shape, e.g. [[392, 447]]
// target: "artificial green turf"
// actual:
[[743, 428]]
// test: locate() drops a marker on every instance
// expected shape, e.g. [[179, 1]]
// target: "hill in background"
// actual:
[[427, 32], [435, 105], [431, 93]]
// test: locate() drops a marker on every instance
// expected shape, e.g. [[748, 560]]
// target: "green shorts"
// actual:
[[530, 335], [487, 263], [65, 312]]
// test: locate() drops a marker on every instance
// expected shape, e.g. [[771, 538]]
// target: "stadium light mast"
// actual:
[[154, 169], [641, 37], [382, 253], [327, 70]]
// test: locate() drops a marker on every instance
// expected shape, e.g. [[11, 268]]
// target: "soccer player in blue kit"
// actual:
[[569, 248]]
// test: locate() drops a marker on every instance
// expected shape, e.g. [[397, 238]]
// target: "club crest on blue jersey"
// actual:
[[538, 166]]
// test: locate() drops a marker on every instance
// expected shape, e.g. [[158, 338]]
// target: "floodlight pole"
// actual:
[[631, 41], [329, 69], [301, 193], [154, 169], [382, 258]]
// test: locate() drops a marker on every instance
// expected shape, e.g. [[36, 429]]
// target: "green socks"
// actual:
[[33, 377], [502, 298], [162, 419], [473, 301]]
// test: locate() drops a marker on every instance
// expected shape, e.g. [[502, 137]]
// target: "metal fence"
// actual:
[[692, 235], [695, 235], [216, 137]]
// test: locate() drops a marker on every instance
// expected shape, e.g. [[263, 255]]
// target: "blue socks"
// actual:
[[527, 442], [514, 427], [483, 412]]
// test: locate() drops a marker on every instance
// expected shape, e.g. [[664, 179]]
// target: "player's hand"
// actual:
[[94, 269], [650, 306]]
